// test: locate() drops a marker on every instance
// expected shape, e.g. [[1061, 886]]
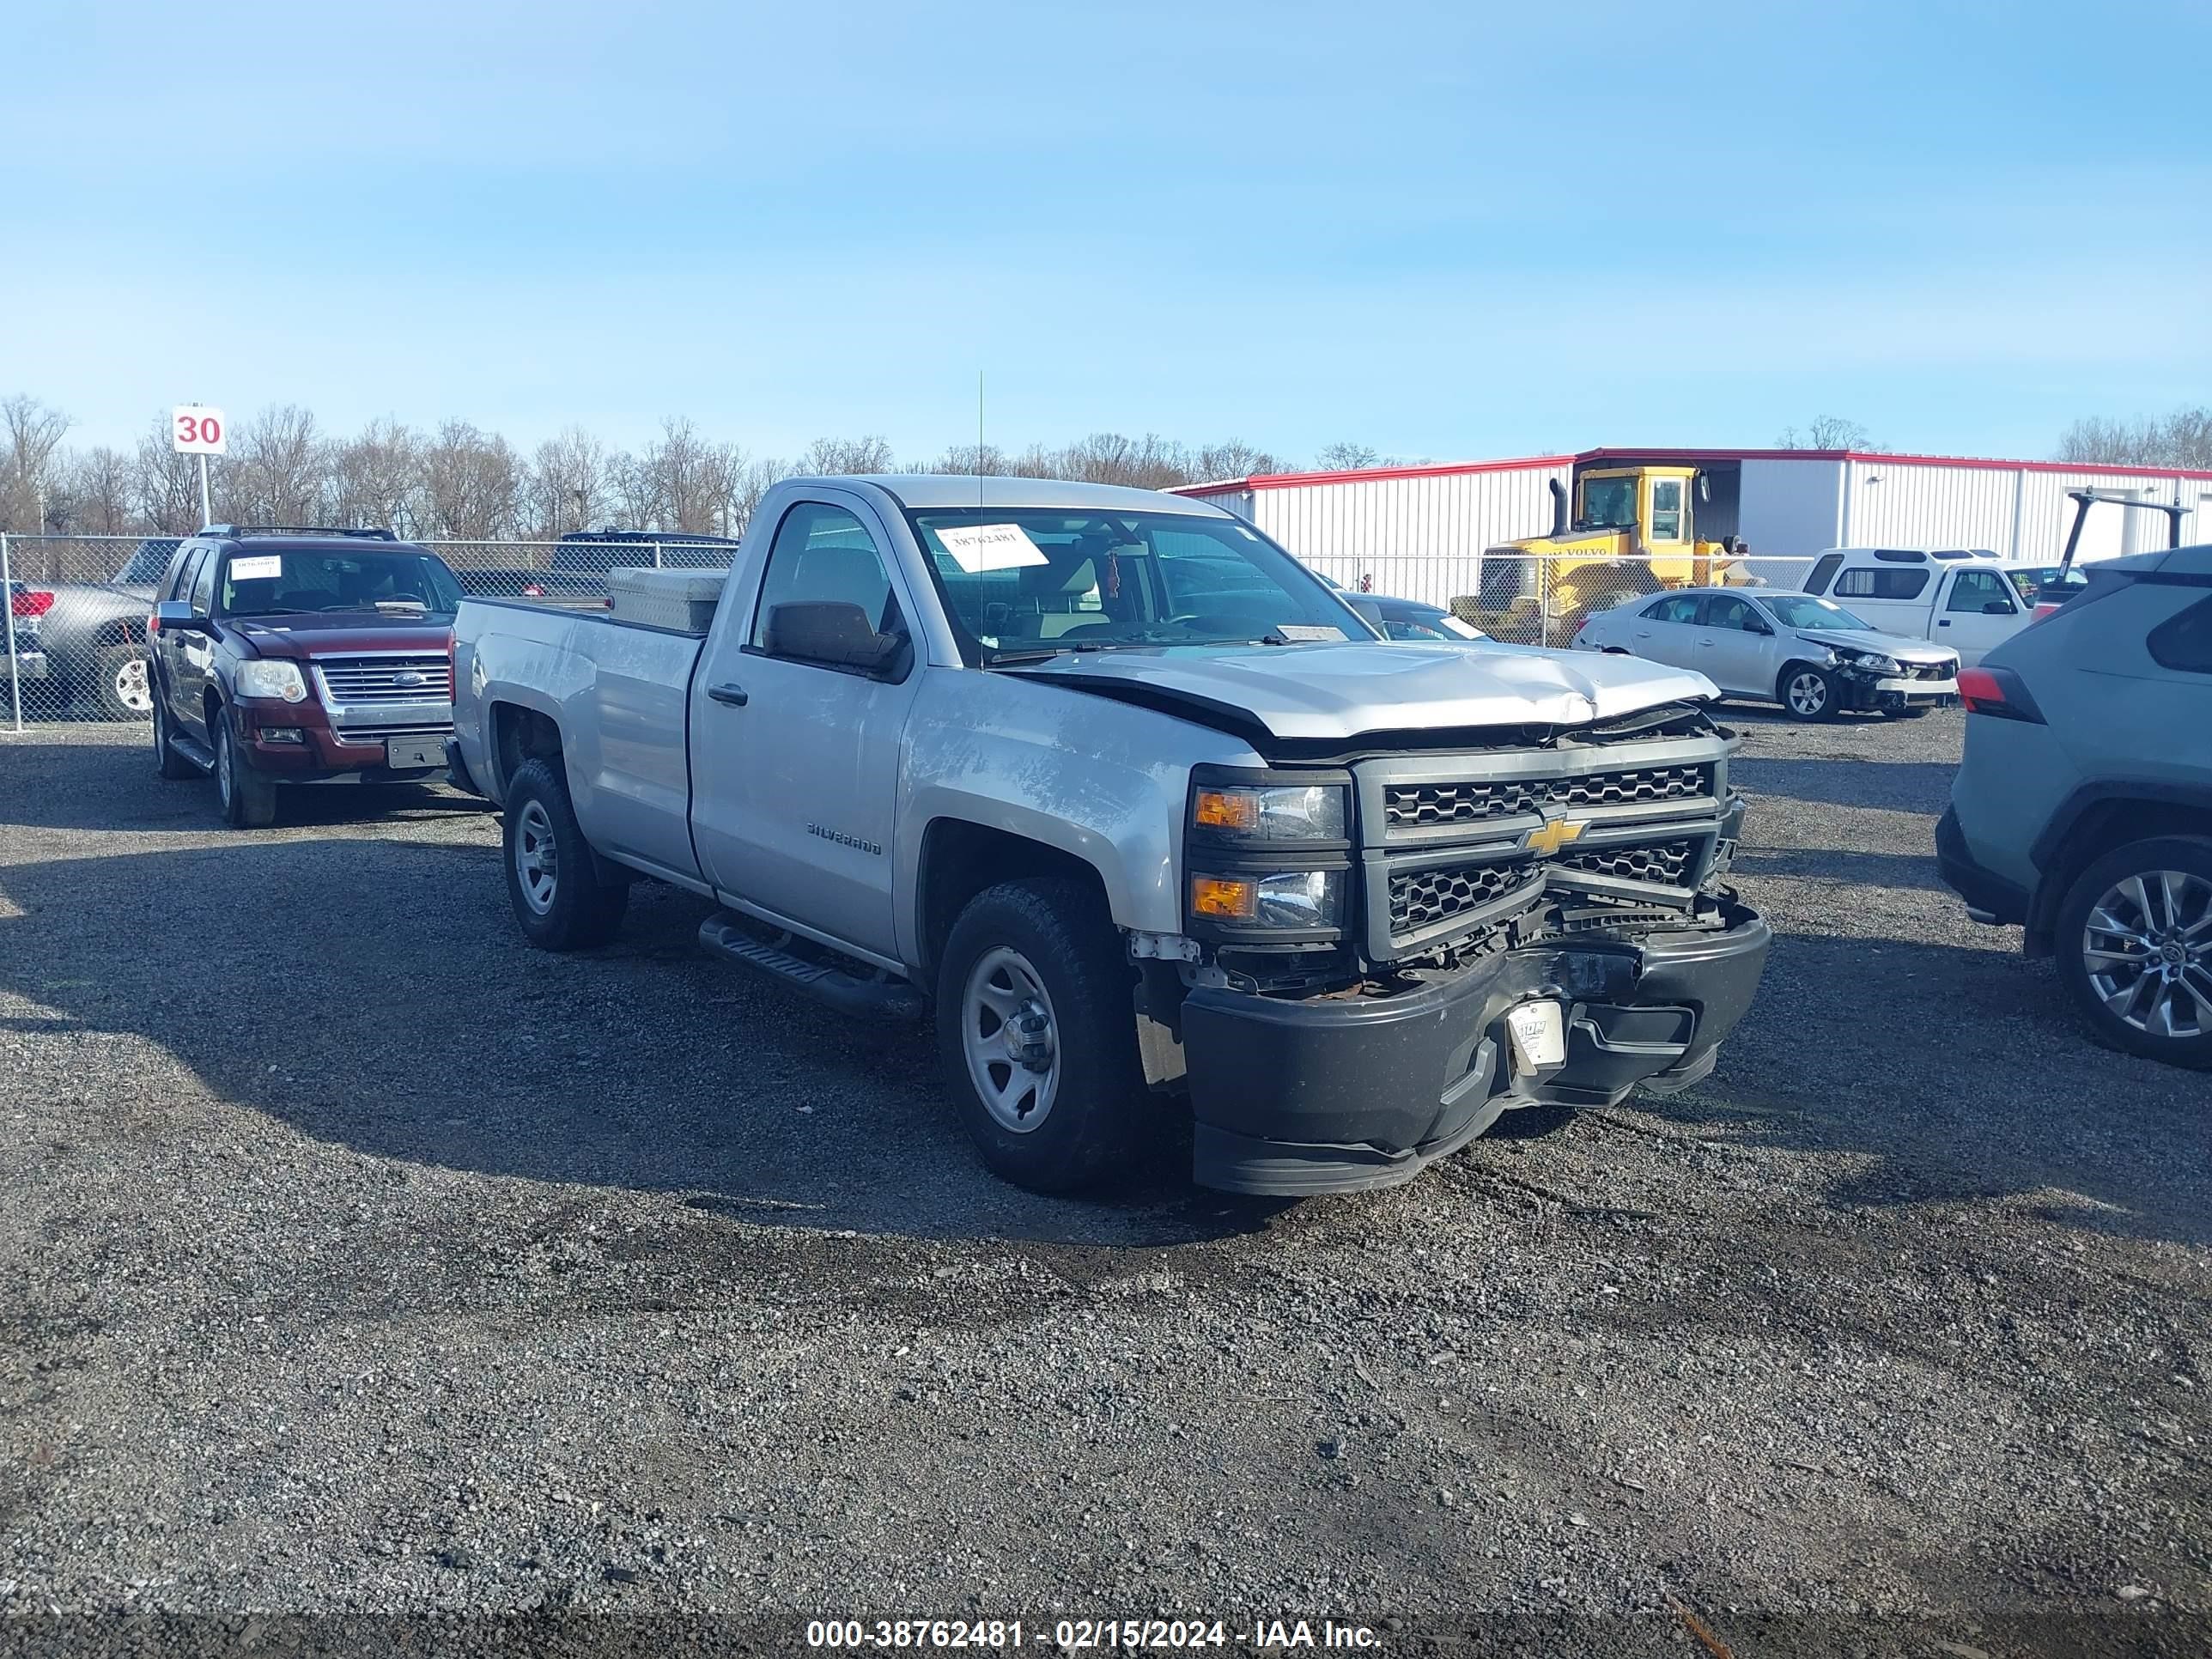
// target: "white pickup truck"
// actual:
[[1125, 800], [1966, 599]]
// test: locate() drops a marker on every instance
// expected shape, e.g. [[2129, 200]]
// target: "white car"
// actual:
[[1812, 656]]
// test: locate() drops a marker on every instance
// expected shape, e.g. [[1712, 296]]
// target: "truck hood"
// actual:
[[1866, 639], [338, 634], [1339, 690]]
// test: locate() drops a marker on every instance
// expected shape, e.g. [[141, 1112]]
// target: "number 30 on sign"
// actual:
[[196, 430]]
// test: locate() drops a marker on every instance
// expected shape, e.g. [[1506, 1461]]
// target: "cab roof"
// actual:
[[930, 491]]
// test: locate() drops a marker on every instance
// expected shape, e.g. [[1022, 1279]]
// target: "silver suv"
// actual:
[[2082, 810]]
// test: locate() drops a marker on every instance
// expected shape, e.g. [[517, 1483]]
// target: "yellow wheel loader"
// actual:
[[1632, 529]]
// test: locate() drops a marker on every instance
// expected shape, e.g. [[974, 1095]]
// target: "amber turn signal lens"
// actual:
[[1223, 901], [1228, 809]]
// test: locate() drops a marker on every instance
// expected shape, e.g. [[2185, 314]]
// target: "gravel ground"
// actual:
[[355, 1258]]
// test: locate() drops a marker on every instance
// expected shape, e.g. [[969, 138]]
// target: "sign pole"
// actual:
[[207, 514], [14, 668]]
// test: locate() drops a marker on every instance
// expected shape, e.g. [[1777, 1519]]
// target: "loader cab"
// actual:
[[1654, 502]]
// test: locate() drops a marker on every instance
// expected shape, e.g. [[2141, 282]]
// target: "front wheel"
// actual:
[[1807, 692], [1037, 1032], [248, 797], [2134, 943], [552, 881]]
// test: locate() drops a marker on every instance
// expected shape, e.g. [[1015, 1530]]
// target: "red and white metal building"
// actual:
[[1420, 532]]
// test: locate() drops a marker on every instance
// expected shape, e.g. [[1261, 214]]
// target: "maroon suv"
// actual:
[[300, 656]]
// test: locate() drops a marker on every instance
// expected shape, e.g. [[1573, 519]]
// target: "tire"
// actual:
[[2105, 912], [1920, 713], [553, 882], [123, 683], [167, 761], [1806, 693], [248, 797], [1048, 946]]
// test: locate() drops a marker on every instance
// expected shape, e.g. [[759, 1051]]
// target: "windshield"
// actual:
[[300, 580], [1608, 502], [1802, 611], [1019, 581], [2031, 583]]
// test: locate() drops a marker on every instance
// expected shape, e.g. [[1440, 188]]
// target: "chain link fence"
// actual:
[[78, 605]]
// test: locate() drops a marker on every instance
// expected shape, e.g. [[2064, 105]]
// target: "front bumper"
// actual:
[[1333, 1095], [1888, 691], [322, 753]]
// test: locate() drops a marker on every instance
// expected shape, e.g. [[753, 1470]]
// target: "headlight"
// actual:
[[1293, 900], [270, 676], [1874, 665], [1269, 813]]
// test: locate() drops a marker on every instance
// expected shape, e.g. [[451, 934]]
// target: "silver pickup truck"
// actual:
[[1131, 804]]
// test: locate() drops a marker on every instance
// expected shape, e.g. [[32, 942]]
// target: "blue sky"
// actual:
[[1441, 230]]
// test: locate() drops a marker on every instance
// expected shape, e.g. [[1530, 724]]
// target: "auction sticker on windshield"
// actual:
[[977, 548], [252, 569]]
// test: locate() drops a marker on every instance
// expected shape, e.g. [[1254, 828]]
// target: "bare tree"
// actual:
[[164, 486], [34, 432], [1827, 432], [1347, 458], [472, 485], [278, 467], [2181, 439], [567, 487], [1235, 459], [376, 478], [99, 484], [827, 457]]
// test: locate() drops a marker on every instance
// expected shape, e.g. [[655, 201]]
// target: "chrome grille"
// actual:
[[1423, 897], [377, 734], [1930, 670], [1417, 805], [354, 681], [1670, 862]]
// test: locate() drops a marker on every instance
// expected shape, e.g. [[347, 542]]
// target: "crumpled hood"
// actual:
[[1340, 688], [1866, 639]]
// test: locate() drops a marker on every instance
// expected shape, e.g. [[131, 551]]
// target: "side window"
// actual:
[[824, 554], [2183, 642], [1824, 570], [1870, 584], [1974, 590], [1728, 613], [1666, 509], [177, 584], [1682, 608], [204, 581]]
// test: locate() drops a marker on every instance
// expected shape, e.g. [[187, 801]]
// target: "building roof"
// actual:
[[1452, 469]]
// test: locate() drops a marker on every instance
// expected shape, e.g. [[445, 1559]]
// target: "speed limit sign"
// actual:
[[196, 430]]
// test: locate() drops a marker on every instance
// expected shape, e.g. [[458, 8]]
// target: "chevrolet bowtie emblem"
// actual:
[[1553, 834]]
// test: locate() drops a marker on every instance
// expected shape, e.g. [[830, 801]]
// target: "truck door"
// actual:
[[1979, 611], [190, 654], [796, 763]]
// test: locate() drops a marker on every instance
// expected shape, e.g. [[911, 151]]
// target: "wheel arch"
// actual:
[[2092, 821], [519, 733], [960, 858]]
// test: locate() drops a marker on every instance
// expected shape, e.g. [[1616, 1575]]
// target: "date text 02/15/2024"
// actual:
[[1081, 1635]]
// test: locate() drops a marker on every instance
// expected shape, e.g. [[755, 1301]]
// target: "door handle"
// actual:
[[1946, 622], [732, 695], [1643, 633]]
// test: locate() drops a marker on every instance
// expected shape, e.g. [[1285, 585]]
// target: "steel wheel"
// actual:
[[1008, 1036], [132, 688], [1808, 694], [537, 859], [2147, 948]]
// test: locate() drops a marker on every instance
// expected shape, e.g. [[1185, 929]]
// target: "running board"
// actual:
[[193, 750], [724, 935]]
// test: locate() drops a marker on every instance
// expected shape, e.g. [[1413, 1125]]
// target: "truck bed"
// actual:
[[620, 693]]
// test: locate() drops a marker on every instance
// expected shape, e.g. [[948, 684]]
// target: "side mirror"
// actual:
[[1368, 608], [1996, 608], [836, 634], [1759, 627], [175, 617], [1704, 488]]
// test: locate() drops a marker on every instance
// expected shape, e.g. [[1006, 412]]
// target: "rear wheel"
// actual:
[[1037, 1032], [2134, 942], [248, 797], [1807, 692], [122, 683], [560, 899]]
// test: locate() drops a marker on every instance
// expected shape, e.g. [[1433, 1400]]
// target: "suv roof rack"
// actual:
[[242, 531]]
